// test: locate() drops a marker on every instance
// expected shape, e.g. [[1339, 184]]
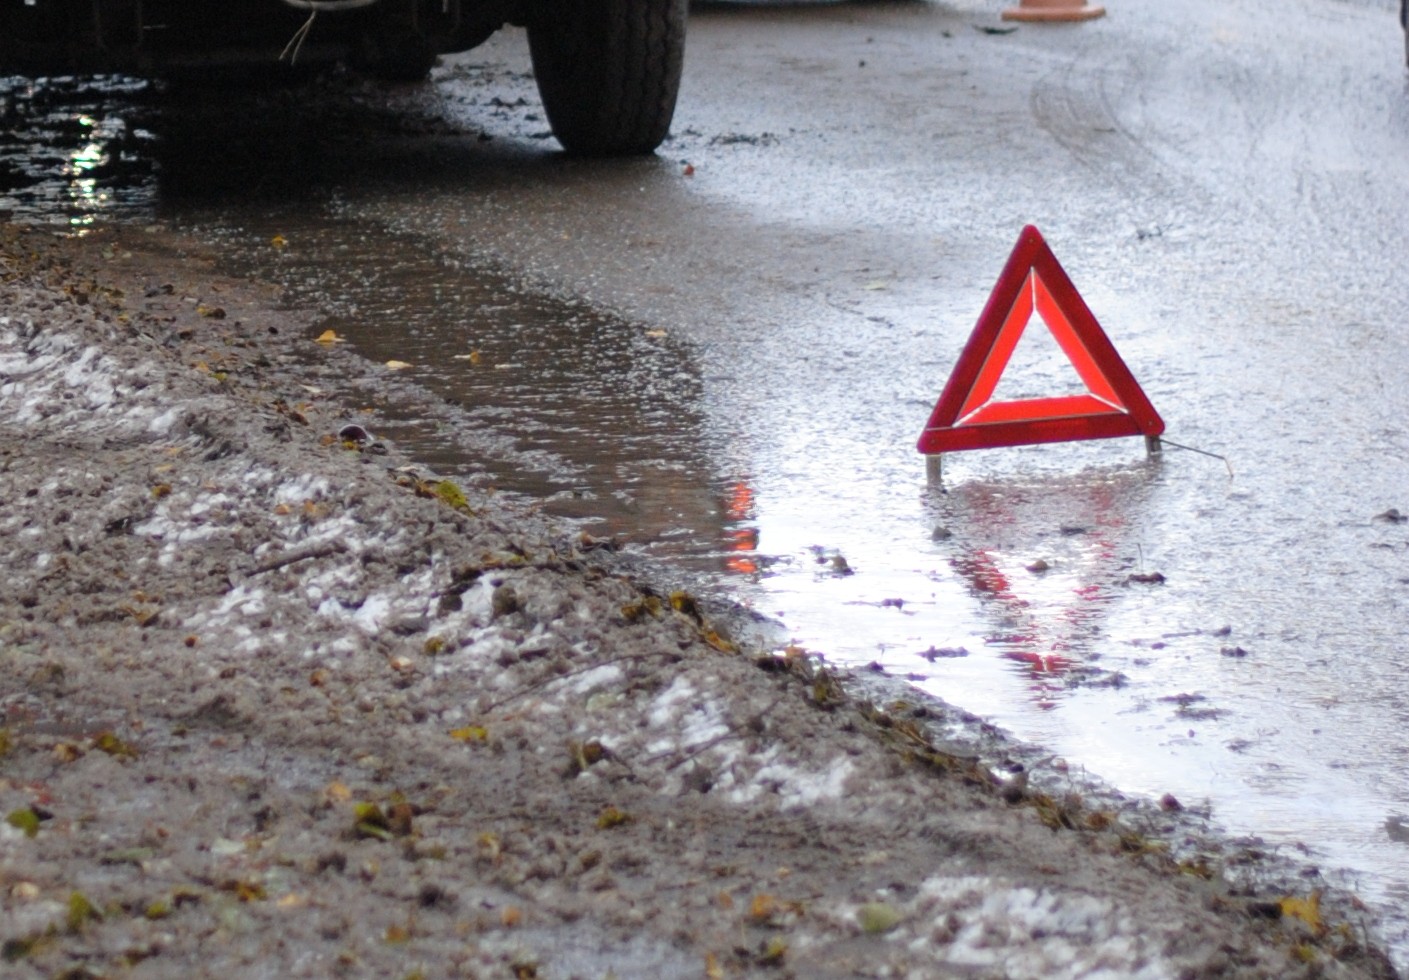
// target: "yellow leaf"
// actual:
[[1307, 909], [329, 337], [112, 745], [248, 891], [80, 911], [470, 733], [451, 495], [278, 241], [26, 820], [488, 846], [878, 917], [763, 907], [719, 643], [398, 365], [713, 971], [774, 952], [612, 817]]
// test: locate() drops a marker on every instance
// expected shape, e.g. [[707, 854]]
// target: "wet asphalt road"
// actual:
[[723, 355]]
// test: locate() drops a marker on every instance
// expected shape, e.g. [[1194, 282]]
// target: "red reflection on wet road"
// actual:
[[1039, 624], [742, 542]]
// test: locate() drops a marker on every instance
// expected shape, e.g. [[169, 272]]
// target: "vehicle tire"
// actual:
[[608, 72], [1404, 23]]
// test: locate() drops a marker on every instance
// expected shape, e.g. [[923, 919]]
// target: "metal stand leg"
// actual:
[[934, 470]]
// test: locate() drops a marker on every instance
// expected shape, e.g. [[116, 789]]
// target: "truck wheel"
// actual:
[[608, 72]]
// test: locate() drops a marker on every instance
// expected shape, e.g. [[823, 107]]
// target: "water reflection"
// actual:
[[1044, 561], [741, 536], [74, 150]]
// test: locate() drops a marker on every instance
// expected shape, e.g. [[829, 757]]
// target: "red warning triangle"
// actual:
[[966, 417]]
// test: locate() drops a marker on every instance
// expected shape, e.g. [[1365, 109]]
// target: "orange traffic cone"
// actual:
[[1054, 10]]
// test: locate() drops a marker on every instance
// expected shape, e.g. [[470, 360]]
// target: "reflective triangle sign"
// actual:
[[967, 417]]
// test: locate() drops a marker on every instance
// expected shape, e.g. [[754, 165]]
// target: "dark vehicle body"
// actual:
[[608, 70]]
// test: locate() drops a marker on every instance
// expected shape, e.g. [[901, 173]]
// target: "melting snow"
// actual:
[[1019, 931]]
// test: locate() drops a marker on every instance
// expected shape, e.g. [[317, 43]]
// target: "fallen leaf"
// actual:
[[585, 755], [25, 820], [399, 819], [370, 821], [1308, 910], [470, 733], [773, 952], [81, 911], [114, 746], [245, 891], [489, 847], [452, 496], [398, 365], [878, 917], [329, 337], [278, 241], [612, 817]]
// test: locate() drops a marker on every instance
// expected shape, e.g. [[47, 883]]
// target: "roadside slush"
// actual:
[[274, 701]]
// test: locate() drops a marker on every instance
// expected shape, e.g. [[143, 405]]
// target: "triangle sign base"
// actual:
[[967, 417]]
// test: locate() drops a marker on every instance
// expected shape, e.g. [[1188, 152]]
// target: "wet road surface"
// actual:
[[724, 354]]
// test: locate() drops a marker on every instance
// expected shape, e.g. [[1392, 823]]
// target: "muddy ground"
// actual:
[[277, 702]]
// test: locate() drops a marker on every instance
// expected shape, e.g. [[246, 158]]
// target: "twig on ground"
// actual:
[[296, 555]]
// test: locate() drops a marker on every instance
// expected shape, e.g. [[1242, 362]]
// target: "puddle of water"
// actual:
[[594, 419]]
